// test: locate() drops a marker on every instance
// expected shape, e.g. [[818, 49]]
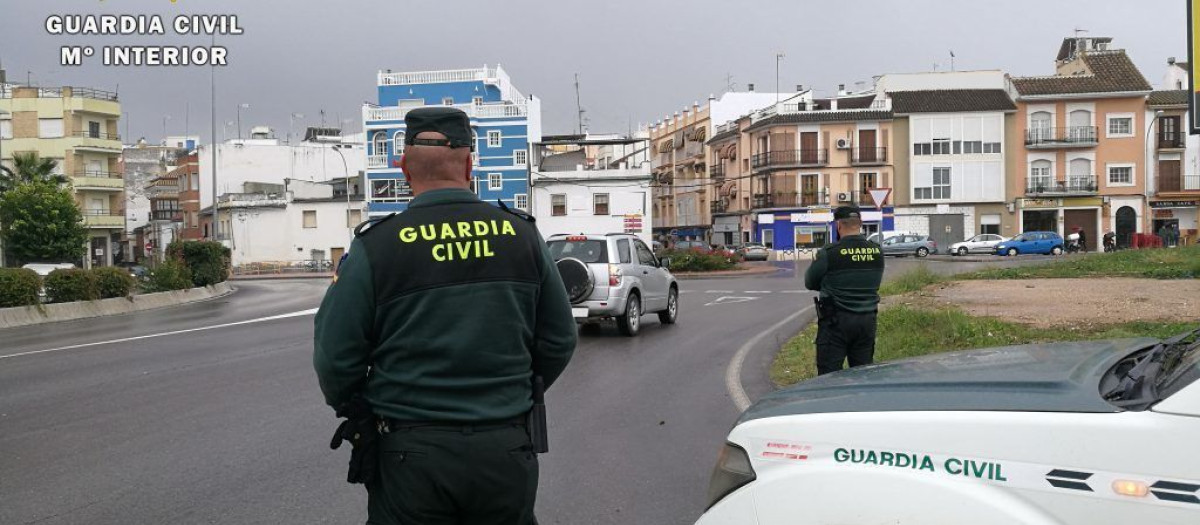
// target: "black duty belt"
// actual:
[[395, 425]]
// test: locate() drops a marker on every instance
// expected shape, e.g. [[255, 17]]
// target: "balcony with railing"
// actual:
[[717, 171], [720, 206], [868, 156], [790, 159], [1178, 184], [1068, 137], [763, 200], [377, 162], [97, 180], [1074, 185], [494, 110], [96, 135], [103, 218], [1172, 140], [167, 215]]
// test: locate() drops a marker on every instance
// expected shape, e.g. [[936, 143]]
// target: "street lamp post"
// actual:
[[778, 57], [346, 169], [165, 118]]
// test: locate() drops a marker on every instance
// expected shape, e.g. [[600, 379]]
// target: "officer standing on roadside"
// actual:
[[438, 325], [848, 274]]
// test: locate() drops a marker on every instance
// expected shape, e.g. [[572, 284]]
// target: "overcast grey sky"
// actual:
[[637, 60]]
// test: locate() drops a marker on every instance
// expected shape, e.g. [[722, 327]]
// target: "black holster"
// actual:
[[825, 310], [538, 435], [361, 429]]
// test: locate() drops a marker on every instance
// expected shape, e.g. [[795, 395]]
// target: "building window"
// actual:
[[50, 128], [600, 204], [353, 218], [941, 183], [448, 101], [519, 157], [310, 218], [941, 146], [94, 130], [6, 129], [1120, 126], [398, 143], [1120, 175], [495, 181], [477, 100], [972, 147], [521, 201], [493, 139], [1039, 175], [989, 224], [379, 143], [922, 148], [558, 205], [991, 147]]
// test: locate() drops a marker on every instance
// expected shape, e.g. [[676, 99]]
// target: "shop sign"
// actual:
[[1040, 203], [812, 217], [1174, 204]]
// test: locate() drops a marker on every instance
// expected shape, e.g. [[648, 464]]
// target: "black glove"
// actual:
[[362, 431]]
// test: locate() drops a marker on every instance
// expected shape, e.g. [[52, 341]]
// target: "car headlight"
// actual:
[[733, 471]]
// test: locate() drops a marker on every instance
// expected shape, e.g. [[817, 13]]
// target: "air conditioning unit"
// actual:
[[843, 144], [843, 197]]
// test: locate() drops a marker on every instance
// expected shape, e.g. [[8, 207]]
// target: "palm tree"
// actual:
[[32, 168]]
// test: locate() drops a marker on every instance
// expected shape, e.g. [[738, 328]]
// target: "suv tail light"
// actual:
[[614, 275]]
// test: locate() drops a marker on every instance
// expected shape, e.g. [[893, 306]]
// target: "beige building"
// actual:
[[77, 128], [679, 166], [1083, 132]]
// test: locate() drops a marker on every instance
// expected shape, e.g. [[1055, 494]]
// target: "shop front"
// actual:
[[813, 227], [1064, 216], [1178, 215], [727, 230]]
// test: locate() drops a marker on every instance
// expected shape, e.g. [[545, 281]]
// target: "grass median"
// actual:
[[911, 330], [905, 332]]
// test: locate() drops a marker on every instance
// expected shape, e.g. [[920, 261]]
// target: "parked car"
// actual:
[[754, 252], [982, 243], [727, 251], [615, 276], [1032, 243], [1082, 432], [904, 245], [879, 237]]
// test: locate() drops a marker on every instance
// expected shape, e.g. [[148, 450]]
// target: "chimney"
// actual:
[[749, 87], [1170, 62], [711, 97], [799, 88], [841, 89]]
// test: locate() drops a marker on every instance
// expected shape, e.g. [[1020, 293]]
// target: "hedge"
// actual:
[[71, 284], [207, 261], [698, 261], [114, 282], [167, 276], [19, 287]]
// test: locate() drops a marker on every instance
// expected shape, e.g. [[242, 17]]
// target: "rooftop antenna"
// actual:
[[951, 60], [778, 57], [578, 107], [1079, 30], [729, 84]]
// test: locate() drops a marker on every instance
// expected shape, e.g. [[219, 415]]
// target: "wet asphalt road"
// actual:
[[227, 425]]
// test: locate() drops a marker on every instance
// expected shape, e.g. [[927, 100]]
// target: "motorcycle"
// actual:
[[1073, 244], [1110, 242]]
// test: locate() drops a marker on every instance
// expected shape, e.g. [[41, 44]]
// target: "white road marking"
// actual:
[[718, 291], [164, 334], [758, 291], [733, 374], [724, 299]]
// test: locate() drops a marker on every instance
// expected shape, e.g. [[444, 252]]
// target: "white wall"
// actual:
[[734, 105], [278, 234], [987, 79], [272, 163], [623, 199], [973, 177]]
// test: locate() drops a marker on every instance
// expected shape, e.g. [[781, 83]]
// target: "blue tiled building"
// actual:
[[505, 123]]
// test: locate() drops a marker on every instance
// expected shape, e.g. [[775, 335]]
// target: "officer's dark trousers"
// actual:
[[437, 475], [845, 335]]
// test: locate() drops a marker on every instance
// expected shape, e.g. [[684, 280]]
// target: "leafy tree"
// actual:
[[29, 167], [39, 222]]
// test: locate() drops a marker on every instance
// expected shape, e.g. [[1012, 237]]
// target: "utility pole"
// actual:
[[778, 57], [212, 132], [951, 60], [239, 119], [578, 107]]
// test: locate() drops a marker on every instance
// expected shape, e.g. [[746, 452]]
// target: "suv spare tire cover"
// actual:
[[577, 278]]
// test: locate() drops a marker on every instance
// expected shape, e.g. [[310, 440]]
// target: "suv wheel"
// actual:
[[631, 321], [922, 251], [669, 315]]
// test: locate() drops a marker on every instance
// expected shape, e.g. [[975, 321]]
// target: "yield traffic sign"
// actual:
[[880, 196]]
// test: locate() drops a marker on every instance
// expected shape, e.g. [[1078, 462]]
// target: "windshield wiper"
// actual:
[[1139, 385]]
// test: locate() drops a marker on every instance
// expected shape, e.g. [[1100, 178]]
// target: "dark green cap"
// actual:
[[847, 212], [451, 122]]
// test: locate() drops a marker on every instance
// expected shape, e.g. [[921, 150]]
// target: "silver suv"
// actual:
[[615, 275]]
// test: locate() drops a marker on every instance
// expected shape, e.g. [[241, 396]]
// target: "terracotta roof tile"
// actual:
[[1111, 72], [1175, 97], [951, 101]]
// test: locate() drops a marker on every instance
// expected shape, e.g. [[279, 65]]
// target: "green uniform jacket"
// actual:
[[443, 312], [848, 271]]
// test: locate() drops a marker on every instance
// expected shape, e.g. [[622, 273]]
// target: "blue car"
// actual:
[[1042, 243]]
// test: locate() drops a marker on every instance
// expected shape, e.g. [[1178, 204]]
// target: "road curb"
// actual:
[[284, 277], [729, 275], [53, 313]]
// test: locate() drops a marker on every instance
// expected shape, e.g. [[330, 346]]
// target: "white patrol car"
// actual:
[[1070, 433]]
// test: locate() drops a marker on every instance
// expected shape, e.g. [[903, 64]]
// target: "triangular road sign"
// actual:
[[880, 196]]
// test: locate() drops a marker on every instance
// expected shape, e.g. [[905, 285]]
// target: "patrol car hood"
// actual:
[[1060, 377]]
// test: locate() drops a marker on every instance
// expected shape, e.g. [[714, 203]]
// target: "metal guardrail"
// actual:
[[867, 156], [101, 136], [790, 158], [1068, 136], [1074, 184]]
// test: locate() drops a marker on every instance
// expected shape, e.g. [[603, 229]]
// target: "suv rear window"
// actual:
[[585, 251]]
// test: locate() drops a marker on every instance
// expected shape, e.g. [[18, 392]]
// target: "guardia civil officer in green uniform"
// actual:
[[848, 274], [438, 320]]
